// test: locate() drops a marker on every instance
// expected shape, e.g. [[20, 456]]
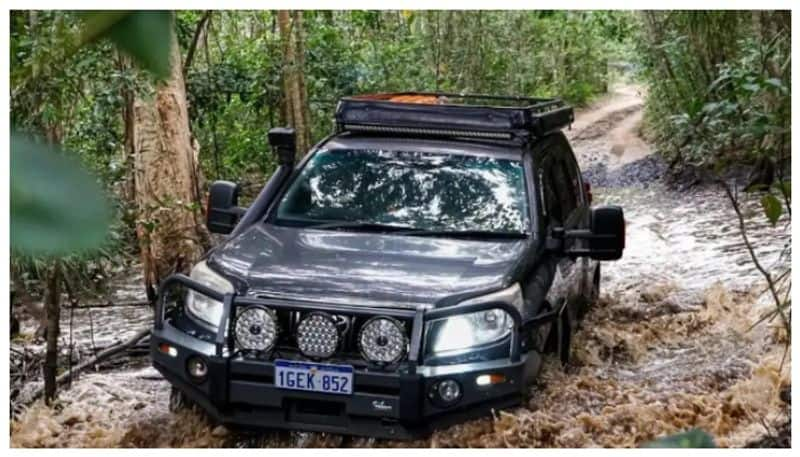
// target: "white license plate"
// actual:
[[314, 377]]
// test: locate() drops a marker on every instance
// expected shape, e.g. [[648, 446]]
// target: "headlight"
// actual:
[[202, 306], [256, 328], [382, 340], [458, 333]]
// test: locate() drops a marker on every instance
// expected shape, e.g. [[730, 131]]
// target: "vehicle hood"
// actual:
[[362, 268]]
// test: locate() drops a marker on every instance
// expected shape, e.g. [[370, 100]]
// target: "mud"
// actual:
[[670, 345]]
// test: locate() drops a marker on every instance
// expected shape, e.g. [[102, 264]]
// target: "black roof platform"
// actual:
[[453, 115]]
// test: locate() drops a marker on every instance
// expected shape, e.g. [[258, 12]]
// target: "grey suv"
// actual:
[[408, 273]]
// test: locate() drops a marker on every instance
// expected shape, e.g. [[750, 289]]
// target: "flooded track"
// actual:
[[669, 346]]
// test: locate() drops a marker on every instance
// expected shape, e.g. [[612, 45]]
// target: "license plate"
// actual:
[[314, 377]]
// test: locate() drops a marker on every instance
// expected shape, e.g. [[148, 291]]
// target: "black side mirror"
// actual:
[[604, 240], [223, 211], [283, 140], [608, 233]]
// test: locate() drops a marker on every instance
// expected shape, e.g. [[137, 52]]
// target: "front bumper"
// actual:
[[384, 404]]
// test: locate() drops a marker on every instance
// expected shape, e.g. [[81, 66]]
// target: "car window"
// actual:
[[550, 196], [426, 191]]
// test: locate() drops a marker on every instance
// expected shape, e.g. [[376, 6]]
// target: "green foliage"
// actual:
[[144, 35], [692, 439], [56, 207], [235, 91], [772, 207], [719, 85]]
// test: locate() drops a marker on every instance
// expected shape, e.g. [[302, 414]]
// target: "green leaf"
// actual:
[[144, 35], [785, 188], [694, 438], [56, 207], [772, 207]]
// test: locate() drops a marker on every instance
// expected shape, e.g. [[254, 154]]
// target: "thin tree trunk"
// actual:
[[128, 151], [53, 312], [295, 104], [170, 226], [198, 32]]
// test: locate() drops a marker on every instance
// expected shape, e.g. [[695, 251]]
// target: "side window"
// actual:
[[550, 195]]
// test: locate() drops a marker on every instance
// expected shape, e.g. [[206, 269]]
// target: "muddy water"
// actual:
[[667, 347]]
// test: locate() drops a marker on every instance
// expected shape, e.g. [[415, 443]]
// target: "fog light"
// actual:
[[197, 367], [490, 379], [447, 391]]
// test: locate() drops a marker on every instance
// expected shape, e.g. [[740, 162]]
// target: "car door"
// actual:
[[563, 206], [584, 276]]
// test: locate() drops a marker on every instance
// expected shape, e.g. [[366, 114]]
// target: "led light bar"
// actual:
[[425, 131]]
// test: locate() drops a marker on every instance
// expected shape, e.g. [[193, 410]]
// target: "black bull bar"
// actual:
[[418, 316]]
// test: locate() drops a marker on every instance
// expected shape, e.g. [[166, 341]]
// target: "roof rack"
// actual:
[[452, 115]]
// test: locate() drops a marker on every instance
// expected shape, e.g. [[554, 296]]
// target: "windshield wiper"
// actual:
[[465, 234], [359, 225]]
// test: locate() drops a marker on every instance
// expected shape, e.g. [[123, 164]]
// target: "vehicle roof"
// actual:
[[507, 150]]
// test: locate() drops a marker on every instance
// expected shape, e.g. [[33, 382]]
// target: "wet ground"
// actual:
[[669, 346]]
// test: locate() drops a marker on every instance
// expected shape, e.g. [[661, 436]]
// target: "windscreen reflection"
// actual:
[[423, 191]]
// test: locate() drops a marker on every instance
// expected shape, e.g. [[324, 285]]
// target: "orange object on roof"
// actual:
[[425, 99]]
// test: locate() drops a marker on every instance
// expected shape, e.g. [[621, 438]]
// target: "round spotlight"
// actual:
[[448, 391], [382, 340], [317, 335], [256, 329], [197, 367]]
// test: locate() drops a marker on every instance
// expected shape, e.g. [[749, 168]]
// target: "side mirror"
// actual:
[[223, 211], [282, 139], [608, 233], [604, 240]]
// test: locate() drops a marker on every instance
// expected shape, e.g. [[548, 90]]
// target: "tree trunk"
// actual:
[[170, 226], [53, 310], [128, 151], [295, 99]]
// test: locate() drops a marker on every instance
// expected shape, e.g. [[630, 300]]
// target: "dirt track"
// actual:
[[668, 347]]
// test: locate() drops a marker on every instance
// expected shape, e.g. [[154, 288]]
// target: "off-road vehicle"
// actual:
[[408, 273]]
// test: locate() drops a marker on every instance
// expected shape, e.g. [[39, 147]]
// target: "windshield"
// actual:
[[420, 191]]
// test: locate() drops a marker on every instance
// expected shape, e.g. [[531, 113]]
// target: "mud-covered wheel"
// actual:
[[178, 401]]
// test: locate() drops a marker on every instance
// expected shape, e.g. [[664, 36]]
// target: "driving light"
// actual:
[[317, 335], [256, 329], [202, 306], [382, 340]]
